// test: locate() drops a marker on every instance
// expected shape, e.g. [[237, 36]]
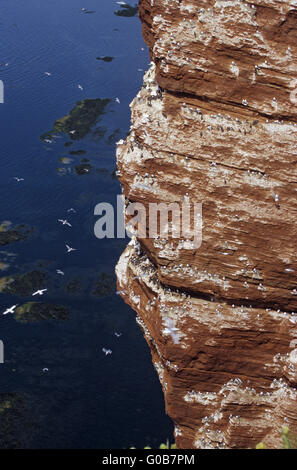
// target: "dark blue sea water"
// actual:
[[58, 389]]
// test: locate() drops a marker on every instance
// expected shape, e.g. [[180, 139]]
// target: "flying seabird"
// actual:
[[107, 351], [69, 249], [10, 310], [64, 222], [39, 292]]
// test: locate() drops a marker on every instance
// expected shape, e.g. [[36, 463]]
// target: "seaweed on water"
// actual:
[[11, 235], [80, 120], [38, 311], [22, 284]]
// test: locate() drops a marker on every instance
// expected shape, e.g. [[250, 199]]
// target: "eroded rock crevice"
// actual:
[[216, 122]]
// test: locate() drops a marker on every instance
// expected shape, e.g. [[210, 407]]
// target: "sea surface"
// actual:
[[58, 389]]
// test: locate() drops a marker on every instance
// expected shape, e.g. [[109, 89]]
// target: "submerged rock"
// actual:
[[15, 422], [98, 133], [104, 285], [78, 152], [9, 234], [127, 10], [105, 58], [23, 284], [83, 169], [112, 138], [80, 120], [39, 311], [74, 286]]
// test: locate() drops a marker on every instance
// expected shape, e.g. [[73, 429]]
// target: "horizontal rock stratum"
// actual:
[[216, 122]]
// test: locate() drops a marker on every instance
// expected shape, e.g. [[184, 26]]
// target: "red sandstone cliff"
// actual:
[[216, 121]]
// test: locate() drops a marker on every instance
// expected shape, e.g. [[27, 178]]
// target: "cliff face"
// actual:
[[216, 121]]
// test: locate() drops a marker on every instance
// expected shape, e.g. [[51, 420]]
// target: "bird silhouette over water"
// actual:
[[65, 222], [10, 310], [39, 292], [107, 351], [69, 249]]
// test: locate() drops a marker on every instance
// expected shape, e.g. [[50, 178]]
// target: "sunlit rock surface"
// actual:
[[216, 122]]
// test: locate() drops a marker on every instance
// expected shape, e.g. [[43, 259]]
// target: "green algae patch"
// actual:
[[9, 234], [127, 10], [104, 285], [80, 120], [39, 311], [22, 284]]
